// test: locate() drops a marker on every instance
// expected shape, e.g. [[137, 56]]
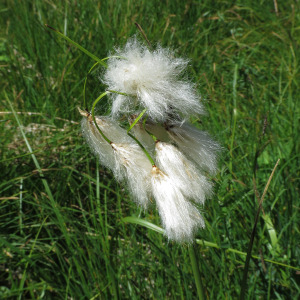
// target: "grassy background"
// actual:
[[67, 241]]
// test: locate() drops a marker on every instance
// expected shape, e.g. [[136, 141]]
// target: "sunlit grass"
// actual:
[[243, 59]]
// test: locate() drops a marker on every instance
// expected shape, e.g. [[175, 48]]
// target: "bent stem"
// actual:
[[196, 271], [136, 140], [84, 85], [93, 113], [91, 69], [94, 119], [155, 139], [143, 148], [106, 138]]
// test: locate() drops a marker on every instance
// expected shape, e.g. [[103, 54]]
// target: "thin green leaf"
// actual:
[[147, 224], [136, 120], [94, 57]]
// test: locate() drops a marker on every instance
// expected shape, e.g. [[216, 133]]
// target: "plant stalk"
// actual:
[[196, 271]]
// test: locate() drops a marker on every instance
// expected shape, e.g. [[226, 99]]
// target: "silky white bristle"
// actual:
[[152, 80], [181, 219], [196, 145], [125, 159], [184, 175], [99, 146], [131, 160]]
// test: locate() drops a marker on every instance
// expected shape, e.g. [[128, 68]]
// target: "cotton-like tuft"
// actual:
[[97, 143], [125, 158], [196, 145], [152, 80], [131, 160], [181, 219], [183, 173]]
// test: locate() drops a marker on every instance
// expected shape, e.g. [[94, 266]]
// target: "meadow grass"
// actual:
[[63, 232]]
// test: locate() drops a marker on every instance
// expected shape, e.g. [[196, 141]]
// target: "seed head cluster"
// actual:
[[183, 156]]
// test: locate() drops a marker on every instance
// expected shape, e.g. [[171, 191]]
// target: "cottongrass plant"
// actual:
[[161, 156]]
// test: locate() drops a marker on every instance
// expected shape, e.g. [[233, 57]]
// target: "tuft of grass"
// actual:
[[81, 239]]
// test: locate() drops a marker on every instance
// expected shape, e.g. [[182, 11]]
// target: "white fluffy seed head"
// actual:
[[98, 145], [196, 145], [180, 218], [131, 161], [152, 80], [125, 159], [183, 173]]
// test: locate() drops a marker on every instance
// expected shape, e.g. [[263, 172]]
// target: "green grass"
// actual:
[[62, 234]]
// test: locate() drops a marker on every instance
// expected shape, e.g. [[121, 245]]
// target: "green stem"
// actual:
[[93, 116], [196, 271], [93, 112], [91, 69], [151, 134], [235, 74], [94, 65], [136, 140], [155, 139], [106, 138], [113, 56], [149, 225], [143, 148], [136, 120], [116, 92]]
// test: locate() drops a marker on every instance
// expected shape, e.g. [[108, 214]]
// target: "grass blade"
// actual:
[[246, 269], [196, 271], [39, 169], [149, 225], [94, 57]]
